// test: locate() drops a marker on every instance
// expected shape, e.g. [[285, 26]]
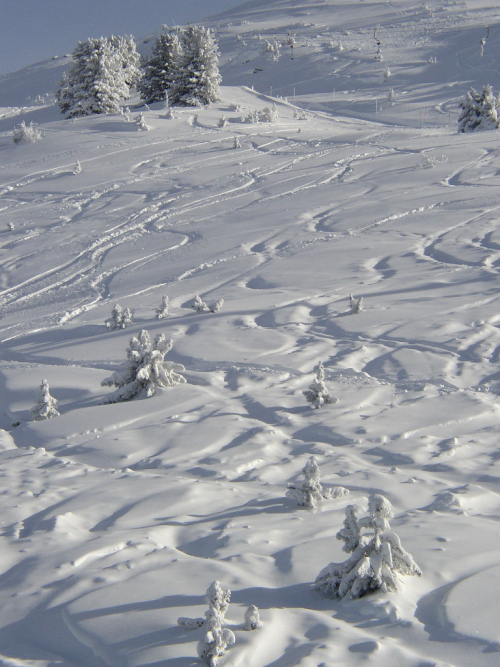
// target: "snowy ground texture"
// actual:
[[116, 518]]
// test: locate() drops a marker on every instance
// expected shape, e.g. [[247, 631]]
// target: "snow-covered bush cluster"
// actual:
[[311, 492], [201, 306], [318, 393], [120, 318], [100, 76], [377, 555], [183, 68], [265, 115], [479, 111], [145, 369], [26, 134], [217, 638]]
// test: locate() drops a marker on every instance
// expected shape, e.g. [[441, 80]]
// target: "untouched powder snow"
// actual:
[[115, 519]]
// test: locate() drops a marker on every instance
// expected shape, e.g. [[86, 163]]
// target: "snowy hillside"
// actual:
[[115, 518]]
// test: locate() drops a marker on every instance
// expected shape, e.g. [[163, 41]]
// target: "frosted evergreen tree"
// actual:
[[377, 559], [349, 534], [479, 111], [318, 393], [217, 638], [222, 122], [310, 492], [140, 121], [145, 369], [162, 311], [46, 406], [78, 168], [216, 306], [161, 72], [252, 618], [120, 318], [199, 78], [99, 77], [236, 142], [198, 304]]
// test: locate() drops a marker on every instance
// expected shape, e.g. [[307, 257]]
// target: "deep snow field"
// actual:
[[116, 518]]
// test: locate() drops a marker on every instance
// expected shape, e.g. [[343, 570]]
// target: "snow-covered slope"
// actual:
[[116, 518]]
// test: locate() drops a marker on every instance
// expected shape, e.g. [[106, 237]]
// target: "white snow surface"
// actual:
[[116, 518]]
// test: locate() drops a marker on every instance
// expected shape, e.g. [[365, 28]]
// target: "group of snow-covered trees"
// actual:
[[183, 69]]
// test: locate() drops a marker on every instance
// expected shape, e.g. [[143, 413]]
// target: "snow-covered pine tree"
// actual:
[[236, 142], [140, 121], [198, 304], [222, 122], [126, 53], [78, 168], [199, 78], [318, 393], [252, 618], [99, 77], [145, 369], [120, 318], [310, 492], [377, 557], [479, 111], [217, 638], [161, 72], [46, 406], [216, 306], [162, 311]]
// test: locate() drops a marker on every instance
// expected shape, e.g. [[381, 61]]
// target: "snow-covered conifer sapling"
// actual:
[[252, 618], [162, 311], [318, 393], [377, 557], [46, 406], [310, 492], [355, 306], [145, 369]]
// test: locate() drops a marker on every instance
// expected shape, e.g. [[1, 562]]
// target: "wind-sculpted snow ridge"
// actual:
[[116, 517]]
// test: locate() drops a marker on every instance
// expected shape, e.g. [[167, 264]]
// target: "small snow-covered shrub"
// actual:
[[78, 168], [390, 97], [479, 111], [46, 406], [273, 48], [198, 304], [120, 318], [216, 306], [387, 74], [377, 555], [269, 115], [26, 134], [252, 618], [142, 126], [318, 393], [310, 492], [201, 306], [222, 121], [162, 311], [145, 369], [10, 226], [355, 306], [236, 143]]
